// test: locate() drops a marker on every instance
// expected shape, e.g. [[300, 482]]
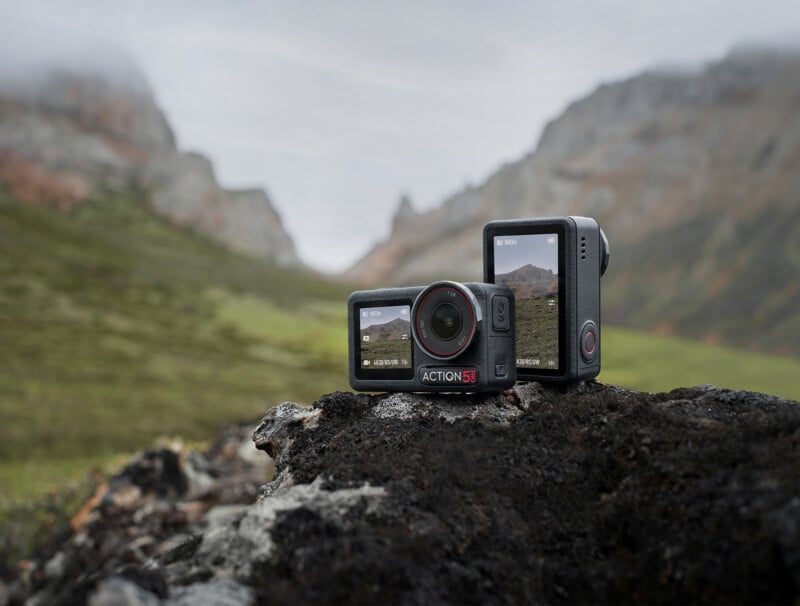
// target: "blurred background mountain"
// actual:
[[693, 175], [64, 133]]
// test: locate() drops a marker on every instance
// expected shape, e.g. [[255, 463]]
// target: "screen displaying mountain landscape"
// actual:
[[528, 264], [385, 337]]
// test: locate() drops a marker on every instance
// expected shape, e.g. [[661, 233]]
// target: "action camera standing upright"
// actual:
[[553, 265], [443, 337]]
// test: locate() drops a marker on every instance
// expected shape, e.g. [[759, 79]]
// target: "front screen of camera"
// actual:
[[528, 264], [385, 337]]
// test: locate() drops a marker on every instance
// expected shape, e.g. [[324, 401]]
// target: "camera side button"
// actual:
[[588, 341], [500, 317]]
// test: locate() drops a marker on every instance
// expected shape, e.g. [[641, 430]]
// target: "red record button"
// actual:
[[588, 341]]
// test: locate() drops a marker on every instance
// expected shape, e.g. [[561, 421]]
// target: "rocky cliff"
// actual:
[[694, 176], [65, 133], [583, 494]]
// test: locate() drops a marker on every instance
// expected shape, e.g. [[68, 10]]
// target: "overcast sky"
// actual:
[[337, 108]]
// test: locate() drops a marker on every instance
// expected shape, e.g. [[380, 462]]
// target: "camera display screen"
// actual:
[[385, 337], [528, 264]]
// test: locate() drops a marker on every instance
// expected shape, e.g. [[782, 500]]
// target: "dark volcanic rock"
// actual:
[[569, 495]]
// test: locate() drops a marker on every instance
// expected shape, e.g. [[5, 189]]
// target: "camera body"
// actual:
[[442, 337], [553, 265]]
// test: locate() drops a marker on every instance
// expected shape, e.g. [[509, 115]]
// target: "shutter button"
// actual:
[[589, 341]]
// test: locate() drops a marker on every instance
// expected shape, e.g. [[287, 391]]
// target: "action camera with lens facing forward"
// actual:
[[442, 337], [553, 266]]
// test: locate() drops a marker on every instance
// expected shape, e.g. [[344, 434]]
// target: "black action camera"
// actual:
[[553, 265], [443, 337]]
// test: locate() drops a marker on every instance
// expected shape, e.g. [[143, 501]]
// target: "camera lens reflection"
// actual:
[[446, 321]]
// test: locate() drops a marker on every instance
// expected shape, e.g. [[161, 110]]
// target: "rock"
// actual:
[[135, 539], [65, 132], [215, 593], [584, 493], [119, 592], [244, 220]]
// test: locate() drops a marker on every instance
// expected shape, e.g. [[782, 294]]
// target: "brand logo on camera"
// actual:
[[448, 375]]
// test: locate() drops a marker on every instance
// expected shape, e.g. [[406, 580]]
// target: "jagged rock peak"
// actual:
[[405, 213], [69, 128]]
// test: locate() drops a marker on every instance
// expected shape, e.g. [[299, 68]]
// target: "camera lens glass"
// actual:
[[445, 319]]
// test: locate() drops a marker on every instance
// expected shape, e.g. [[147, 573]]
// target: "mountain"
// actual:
[[66, 132], [394, 330], [693, 175], [529, 282]]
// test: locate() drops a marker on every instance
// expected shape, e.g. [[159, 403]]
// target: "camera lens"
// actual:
[[445, 319]]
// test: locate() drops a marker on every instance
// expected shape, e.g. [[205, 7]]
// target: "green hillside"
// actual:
[[651, 363], [709, 279], [116, 328]]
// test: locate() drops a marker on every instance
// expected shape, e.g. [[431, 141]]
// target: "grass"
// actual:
[[116, 328], [311, 334], [537, 329], [387, 352], [649, 363]]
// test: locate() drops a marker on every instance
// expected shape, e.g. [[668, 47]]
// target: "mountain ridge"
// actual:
[[65, 133], [529, 281], [679, 168], [394, 330]]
